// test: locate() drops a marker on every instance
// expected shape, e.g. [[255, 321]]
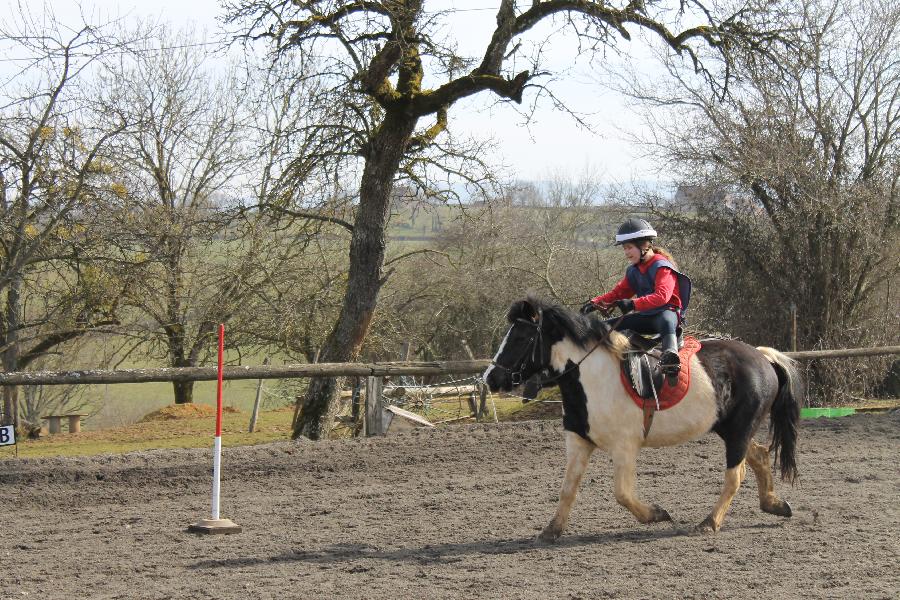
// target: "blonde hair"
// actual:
[[666, 254]]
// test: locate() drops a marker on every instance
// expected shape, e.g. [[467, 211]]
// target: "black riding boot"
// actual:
[[669, 361]]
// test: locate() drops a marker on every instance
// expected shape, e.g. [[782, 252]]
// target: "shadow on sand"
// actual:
[[444, 553]]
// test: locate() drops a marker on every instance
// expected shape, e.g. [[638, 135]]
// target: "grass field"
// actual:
[[423, 223], [124, 404], [191, 429], [192, 426]]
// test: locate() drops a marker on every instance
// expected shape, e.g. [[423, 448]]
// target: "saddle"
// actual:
[[642, 366], [644, 380]]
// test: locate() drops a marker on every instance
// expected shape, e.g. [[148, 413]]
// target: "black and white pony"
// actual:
[[733, 388]]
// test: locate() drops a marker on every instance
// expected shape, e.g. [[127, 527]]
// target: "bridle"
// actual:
[[535, 343]]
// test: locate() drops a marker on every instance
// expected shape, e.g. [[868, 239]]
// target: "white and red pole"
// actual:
[[217, 443], [217, 524]]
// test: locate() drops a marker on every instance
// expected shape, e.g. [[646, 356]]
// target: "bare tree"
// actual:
[[302, 199], [186, 262], [800, 169], [792, 185], [206, 174], [51, 140], [390, 61]]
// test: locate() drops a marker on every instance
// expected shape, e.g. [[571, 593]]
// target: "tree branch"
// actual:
[[56, 339], [303, 215]]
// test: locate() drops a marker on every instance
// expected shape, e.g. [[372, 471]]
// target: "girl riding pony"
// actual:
[[653, 295]]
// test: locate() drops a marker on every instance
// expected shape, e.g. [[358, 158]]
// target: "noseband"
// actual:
[[534, 345]]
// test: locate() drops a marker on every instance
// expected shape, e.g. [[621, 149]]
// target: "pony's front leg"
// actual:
[[624, 462], [578, 452]]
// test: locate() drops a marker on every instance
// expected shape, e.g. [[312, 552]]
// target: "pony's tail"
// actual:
[[785, 414]]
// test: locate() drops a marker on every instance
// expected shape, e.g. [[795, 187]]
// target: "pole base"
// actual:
[[214, 526]]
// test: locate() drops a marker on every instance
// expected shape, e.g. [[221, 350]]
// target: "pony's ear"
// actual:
[[531, 312], [523, 309]]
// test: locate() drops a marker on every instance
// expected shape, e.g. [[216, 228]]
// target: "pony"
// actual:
[[733, 387]]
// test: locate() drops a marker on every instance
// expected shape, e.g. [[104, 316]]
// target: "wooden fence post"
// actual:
[[259, 387], [482, 405], [793, 327], [473, 403], [355, 401], [373, 424]]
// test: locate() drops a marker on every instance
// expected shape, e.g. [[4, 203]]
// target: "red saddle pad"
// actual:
[[670, 395]]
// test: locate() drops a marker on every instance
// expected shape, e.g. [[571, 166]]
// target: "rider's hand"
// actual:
[[605, 308], [626, 306], [588, 307]]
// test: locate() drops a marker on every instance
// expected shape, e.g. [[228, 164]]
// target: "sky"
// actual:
[[551, 145]]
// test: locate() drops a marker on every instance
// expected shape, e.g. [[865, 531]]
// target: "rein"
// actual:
[[583, 358]]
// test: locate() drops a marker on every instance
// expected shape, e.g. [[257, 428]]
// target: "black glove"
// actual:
[[626, 306], [588, 307]]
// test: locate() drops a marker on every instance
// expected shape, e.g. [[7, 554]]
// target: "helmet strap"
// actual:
[[644, 252]]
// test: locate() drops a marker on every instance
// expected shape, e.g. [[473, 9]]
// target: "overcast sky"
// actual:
[[552, 143]]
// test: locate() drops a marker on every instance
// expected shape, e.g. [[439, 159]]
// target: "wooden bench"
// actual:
[[53, 422]]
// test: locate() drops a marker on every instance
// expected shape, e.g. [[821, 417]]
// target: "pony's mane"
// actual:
[[579, 328]]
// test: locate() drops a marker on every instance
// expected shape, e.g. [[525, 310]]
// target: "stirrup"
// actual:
[[671, 374], [670, 365]]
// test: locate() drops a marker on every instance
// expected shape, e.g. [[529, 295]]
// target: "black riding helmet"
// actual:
[[635, 230]]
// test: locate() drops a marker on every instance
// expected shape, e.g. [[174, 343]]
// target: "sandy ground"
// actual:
[[450, 514]]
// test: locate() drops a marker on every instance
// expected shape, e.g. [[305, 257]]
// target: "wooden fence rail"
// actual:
[[462, 367], [844, 353], [373, 416]]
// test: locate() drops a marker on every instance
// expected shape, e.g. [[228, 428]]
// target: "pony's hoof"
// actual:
[[780, 508], [550, 534], [707, 526], [658, 514]]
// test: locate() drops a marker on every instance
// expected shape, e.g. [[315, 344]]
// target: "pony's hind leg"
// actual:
[[758, 457], [734, 476], [578, 452], [624, 461]]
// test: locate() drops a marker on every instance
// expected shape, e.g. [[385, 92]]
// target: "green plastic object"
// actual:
[[815, 413]]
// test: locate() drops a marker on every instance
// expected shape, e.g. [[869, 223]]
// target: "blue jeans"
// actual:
[[663, 323]]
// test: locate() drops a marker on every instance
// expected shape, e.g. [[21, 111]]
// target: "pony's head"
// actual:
[[535, 327]]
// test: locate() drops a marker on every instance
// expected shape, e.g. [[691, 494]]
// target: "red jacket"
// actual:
[[665, 289]]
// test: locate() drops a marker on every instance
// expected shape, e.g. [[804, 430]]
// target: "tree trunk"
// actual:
[[322, 400], [184, 391], [11, 354], [10, 405]]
